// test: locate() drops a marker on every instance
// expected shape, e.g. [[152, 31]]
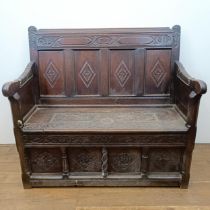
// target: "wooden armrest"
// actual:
[[10, 88], [198, 86]]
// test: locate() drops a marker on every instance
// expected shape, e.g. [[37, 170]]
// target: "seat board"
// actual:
[[100, 119]]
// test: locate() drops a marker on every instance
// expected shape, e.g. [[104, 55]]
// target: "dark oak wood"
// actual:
[[105, 107]]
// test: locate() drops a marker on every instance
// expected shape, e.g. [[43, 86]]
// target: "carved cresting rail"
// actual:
[[42, 41], [105, 107]]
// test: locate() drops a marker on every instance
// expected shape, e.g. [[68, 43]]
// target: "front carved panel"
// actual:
[[165, 160], [45, 160], [123, 160], [84, 159]]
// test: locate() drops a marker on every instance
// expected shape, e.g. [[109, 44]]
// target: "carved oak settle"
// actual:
[[105, 107]]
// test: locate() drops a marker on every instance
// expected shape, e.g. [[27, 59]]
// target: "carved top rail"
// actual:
[[98, 38]]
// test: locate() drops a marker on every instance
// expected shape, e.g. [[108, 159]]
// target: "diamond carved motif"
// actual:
[[51, 74], [122, 73], [84, 160], [158, 73], [87, 74]]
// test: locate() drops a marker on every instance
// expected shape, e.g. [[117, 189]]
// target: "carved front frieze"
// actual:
[[172, 139]]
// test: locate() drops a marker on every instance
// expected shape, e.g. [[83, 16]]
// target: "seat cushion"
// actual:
[[105, 119]]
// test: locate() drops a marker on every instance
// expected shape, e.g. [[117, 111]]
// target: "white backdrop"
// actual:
[[17, 15]]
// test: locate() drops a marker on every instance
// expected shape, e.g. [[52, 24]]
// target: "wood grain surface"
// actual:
[[117, 70]]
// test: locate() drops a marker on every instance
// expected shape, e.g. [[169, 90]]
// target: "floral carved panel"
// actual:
[[123, 160]]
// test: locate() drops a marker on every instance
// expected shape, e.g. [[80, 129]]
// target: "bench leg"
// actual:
[[186, 169], [26, 182], [185, 181]]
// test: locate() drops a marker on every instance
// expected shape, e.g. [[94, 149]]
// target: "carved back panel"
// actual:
[[91, 64]]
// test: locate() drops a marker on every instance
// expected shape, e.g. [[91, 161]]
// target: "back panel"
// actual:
[[107, 64]]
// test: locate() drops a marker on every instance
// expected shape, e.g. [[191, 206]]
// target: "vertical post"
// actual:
[[69, 70], [144, 160], [187, 158], [104, 72], [104, 162], [139, 71], [175, 57], [65, 164]]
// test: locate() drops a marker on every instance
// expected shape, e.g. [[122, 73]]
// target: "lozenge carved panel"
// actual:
[[84, 159], [158, 72], [45, 160], [51, 73], [121, 75], [87, 72], [165, 160]]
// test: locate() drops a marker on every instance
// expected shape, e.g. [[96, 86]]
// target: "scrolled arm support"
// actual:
[[191, 98], [10, 88], [198, 86]]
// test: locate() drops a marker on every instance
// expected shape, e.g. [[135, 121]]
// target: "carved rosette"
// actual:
[[124, 160]]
